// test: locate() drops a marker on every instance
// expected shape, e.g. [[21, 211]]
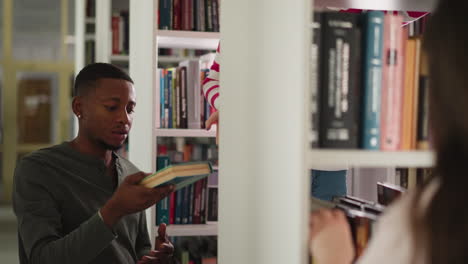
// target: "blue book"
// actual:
[[373, 26], [170, 78], [190, 204], [161, 97], [165, 17], [178, 207], [162, 207]]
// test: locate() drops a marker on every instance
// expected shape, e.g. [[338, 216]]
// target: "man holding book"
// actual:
[[80, 202]]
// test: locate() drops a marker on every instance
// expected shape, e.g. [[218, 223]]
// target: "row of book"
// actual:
[[120, 33], [194, 204], [191, 15], [181, 100], [368, 82], [181, 52], [187, 151]]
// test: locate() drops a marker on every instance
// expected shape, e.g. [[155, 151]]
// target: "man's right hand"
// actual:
[[131, 197]]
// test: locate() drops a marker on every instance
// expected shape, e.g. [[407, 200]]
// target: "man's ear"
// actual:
[[77, 106]]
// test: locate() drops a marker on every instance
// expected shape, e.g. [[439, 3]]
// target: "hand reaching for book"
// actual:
[[163, 250], [330, 237], [131, 197]]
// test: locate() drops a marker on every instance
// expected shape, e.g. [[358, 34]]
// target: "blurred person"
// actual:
[[429, 224]]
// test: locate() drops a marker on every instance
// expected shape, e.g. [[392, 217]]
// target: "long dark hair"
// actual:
[[441, 232]]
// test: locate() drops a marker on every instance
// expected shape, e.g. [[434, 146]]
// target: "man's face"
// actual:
[[108, 112]]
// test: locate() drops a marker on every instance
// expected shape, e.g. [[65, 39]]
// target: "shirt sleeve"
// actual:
[[211, 83], [40, 225], [143, 242]]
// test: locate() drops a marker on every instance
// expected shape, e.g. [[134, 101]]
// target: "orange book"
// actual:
[[408, 93]]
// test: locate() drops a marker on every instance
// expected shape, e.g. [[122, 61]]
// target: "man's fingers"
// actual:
[[162, 231], [136, 178]]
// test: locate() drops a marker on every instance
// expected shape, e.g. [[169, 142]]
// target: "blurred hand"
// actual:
[[213, 119], [330, 237], [164, 250], [131, 197]]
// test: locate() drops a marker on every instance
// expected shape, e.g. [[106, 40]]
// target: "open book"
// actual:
[[180, 175]]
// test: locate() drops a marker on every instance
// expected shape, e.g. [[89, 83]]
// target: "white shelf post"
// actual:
[[264, 189], [103, 30], [142, 141]]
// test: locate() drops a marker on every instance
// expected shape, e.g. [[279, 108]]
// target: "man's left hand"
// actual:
[[164, 250]]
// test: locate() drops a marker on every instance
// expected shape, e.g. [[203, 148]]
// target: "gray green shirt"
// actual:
[[57, 194]]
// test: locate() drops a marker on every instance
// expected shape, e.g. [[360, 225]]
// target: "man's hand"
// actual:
[[164, 250], [131, 197], [213, 119], [330, 237]]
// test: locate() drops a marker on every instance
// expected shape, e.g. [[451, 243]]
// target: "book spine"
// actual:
[[172, 207], [177, 15], [195, 13], [196, 204], [212, 204], [315, 80], [126, 32], [203, 201], [340, 85], [190, 203], [121, 34], [160, 124], [178, 99], [162, 211], [201, 14], [185, 205], [185, 14], [170, 96], [416, 98], [115, 34], [372, 79], [166, 98], [183, 89], [392, 84], [410, 49], [208, 15], [178, 207], [423, 105], [215, 11], [165, 14]]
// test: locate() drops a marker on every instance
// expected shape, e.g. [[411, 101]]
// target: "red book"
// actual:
[[185, 14], [172, 206], [177, 15], [196, 202], [115, 34], [392, 84]]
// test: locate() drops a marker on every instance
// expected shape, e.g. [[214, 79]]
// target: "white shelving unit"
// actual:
[[174, 132], [264, 154], [363, 158], [191, 230], [145, 39]]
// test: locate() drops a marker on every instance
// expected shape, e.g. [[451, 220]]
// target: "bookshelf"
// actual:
[[145, 39], [264, 154]]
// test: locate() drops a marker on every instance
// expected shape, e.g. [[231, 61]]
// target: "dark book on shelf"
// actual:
[[422, 133], [315, 79], [340, 82], [209, 15], [165, 16], [176, 14], [183, 97]]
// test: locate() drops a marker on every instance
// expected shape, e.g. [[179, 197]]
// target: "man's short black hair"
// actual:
[[87, 77]]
